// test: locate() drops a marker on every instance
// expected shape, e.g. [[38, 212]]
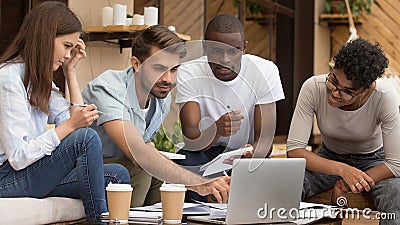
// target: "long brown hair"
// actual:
[[34, 45]]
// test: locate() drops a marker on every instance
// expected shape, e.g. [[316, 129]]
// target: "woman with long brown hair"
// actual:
[[64, 161]]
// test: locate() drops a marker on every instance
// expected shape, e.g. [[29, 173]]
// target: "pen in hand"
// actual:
[[84, 105], [78, 105], [231, 110]]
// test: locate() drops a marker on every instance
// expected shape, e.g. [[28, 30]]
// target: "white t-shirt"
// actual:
[[257, 83]]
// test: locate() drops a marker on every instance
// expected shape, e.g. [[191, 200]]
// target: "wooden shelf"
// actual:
[[337, 19], [115, 28], [101, 33]]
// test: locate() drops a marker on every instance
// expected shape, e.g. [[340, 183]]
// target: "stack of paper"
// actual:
[[188, 209], [216, 209], [219, 163], [141, 217]]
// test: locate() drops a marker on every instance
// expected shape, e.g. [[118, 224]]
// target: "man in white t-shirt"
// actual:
[[226, 98]]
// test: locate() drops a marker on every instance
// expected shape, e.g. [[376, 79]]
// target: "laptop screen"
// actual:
[[264, 190]]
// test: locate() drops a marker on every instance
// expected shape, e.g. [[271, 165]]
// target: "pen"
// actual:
[[233, 112], [78, 105], [84, 105]]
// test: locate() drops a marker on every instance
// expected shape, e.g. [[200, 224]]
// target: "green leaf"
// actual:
[[164, 141]]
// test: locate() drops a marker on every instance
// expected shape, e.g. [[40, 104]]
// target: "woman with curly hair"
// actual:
[[360, 129], [65, 161]]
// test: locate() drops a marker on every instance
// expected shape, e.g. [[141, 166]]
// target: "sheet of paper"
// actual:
[[188, 209], [213, 205], [139, 214], [216, 209], [305, 205], [311, 212], [218, 164], [171, 155], [139, 217]]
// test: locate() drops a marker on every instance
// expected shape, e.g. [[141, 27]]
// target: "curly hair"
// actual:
[[361, 61]]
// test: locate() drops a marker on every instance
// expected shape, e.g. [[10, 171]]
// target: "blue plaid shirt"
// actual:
[[23, 135]]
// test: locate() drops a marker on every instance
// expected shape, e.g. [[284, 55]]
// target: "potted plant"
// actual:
[[356, 6], [335, 6]]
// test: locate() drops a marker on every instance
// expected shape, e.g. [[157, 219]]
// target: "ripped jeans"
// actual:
[[386, 193]]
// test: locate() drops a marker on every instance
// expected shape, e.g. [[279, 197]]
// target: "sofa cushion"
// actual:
[[40, 211]]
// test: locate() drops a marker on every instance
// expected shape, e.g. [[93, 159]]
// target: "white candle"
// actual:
[[150, 16], [138, 19], [107, 16], [119, 15], [128, 21]]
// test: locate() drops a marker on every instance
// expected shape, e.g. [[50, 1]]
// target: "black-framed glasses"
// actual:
[[344, 94]]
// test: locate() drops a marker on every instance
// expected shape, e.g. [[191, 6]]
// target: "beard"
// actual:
[[161, 89], [224, 73]]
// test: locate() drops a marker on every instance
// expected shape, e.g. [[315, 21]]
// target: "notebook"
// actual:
[[260, 190], [218, 163]]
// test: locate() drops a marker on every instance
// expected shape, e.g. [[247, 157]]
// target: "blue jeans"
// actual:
[[74, 169], [386, 193]]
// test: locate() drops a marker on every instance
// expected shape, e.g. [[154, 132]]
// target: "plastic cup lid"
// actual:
[[172, 187], [118, 187]]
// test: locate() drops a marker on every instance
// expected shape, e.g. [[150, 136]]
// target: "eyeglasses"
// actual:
[[344, 94]]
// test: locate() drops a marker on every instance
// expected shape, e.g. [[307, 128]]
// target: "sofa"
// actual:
[[40, 211]]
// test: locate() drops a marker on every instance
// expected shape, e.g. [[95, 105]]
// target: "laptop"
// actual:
[[262, 191]]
